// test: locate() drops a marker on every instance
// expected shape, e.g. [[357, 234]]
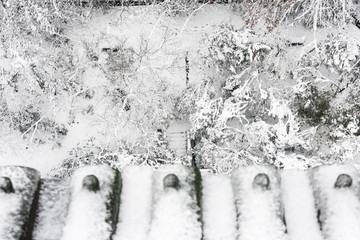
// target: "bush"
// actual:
[[148, 150], [232, 50], [313, 13], [341, 55], [313, 106], [38, 18], [120, 64], [35, 89], [179, 7]]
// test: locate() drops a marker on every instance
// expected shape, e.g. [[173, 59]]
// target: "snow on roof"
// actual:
[[258, 205], [52, 209], [180, 202], [174, 206], [88, 216], [135, 207], [16, 199], [338, 204]]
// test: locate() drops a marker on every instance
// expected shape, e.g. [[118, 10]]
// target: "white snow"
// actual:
[[259, 211], [340, 207], [16, 151], [52, 210], [177, 143], [219, 213], [87, 211], [136, 201], [299, 206], [146, 208], [174, 214], [176, 136]]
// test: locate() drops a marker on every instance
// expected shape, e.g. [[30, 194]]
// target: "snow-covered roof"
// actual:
[[180, 202]]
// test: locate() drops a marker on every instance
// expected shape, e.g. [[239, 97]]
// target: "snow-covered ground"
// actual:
[[164, 42]]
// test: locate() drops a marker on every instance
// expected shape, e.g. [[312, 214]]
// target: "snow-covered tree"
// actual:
[[35, 17], [312, 13], [247, 124], [326, 96], [233, 50], [241, 117]]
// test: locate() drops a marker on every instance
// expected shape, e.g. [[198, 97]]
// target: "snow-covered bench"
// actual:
[[296, 41]]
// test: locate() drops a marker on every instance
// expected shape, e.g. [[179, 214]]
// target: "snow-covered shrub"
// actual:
[[240, 118], [326, 98], [327, 81], [179, 7], [134, 93], [88, 154], [341, 55], [312, 13], [40, 66], [272, 12], [244, 123], [312, 105], [151, 150], [35, 83], [232, 50], [335, 55], [33, 17], [321, 13], [29, 121], [207, 108], [120, 64]]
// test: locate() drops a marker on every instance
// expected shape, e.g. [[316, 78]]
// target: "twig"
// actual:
[[193, 12], [33, 125]]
